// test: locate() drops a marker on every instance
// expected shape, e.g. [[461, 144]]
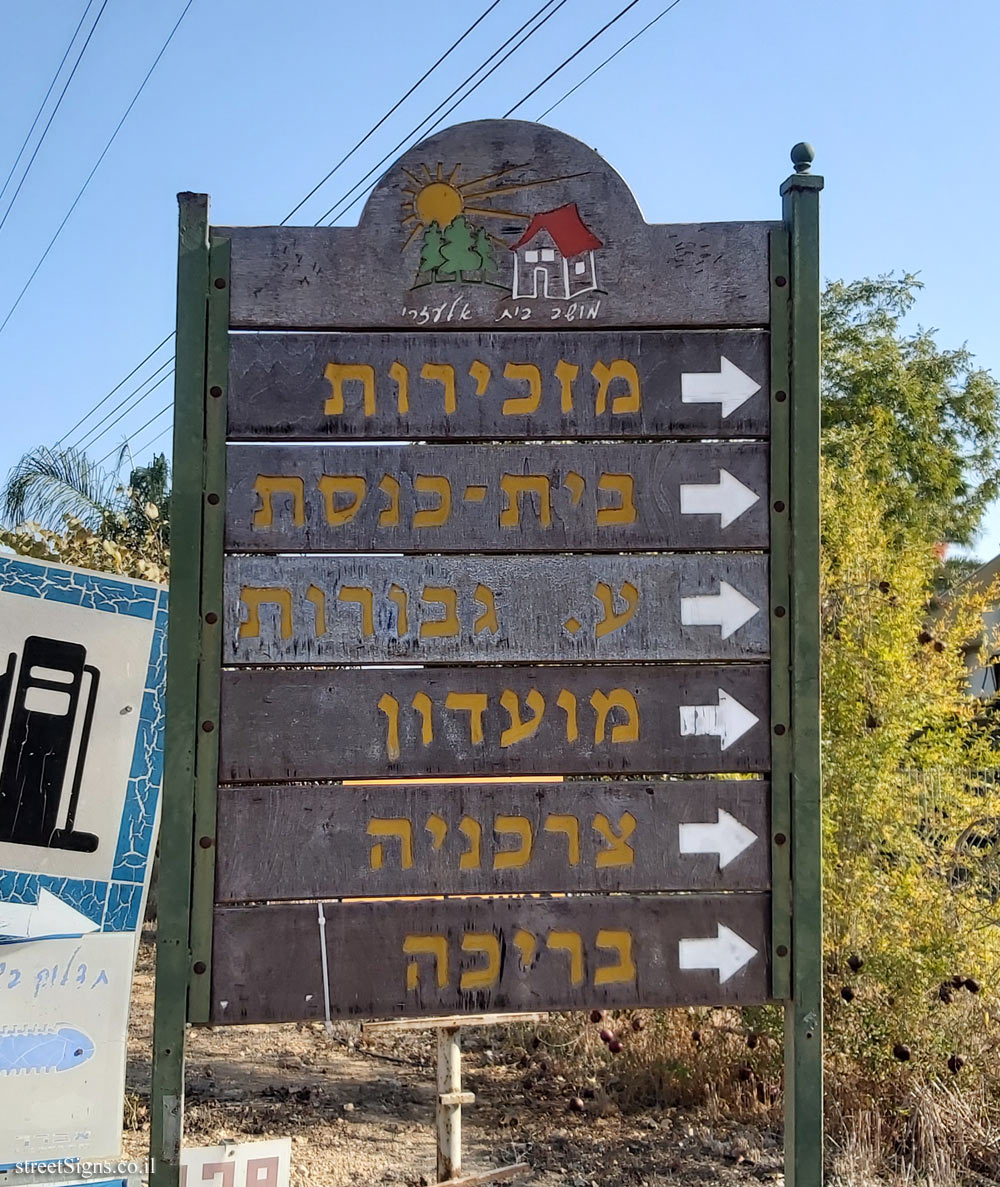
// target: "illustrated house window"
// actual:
[[531, 257], [548, 255], [580, 266]]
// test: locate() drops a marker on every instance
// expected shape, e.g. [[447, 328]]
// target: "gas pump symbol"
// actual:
[[45, 709]]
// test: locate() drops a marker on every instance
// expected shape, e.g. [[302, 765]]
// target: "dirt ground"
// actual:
[[360, 1110]]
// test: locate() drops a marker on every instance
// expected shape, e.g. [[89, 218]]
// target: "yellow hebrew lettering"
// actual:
[[399, 374], [444, 373], [481, 373], [566, 373], [422, 703], [352, 485], [397, 595], [555, 822], [524, 942], [520, 827], [440, 628], [487, 621], [571, 942], [474, 494], [318, 598], [575, 484], [567, 702], [267, 486], [253, 597], [437, 826], [400, 828], [619, 942], [362, 596], [388, 517], [474, 703], [613, 621], [433, 517], [617, 698], [472, 858], [390, 707], [620, 852], [436, 946], [340, 373], [620, 369], [518, 729], [516, 485], [488, 944], [623, 485], [522, 405]]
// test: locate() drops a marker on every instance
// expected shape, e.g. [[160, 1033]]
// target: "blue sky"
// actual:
[[254, 101]]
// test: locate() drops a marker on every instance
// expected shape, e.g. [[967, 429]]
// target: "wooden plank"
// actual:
[[441, 609], [504, 190], [468, 956], [450, 1021], [494, 385], [502, 1174], [305, 724], [334, 842], [497, 498]]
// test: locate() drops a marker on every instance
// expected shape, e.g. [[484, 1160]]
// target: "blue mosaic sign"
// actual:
[[82, 683]]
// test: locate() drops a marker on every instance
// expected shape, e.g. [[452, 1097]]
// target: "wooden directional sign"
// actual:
[[390, 959], [481, 385], [447, 609], [307, 723], [518, 838], [505, 482], [495, 498]]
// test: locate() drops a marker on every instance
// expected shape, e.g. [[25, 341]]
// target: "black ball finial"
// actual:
[[802, 157]]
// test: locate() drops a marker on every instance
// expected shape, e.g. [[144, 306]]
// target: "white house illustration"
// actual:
[[554, 258]]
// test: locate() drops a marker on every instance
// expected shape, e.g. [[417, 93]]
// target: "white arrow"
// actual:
[[50, 916], [729, 386], [727, 609], [728, 720], [728, 838], [728, 498], [728, 953]]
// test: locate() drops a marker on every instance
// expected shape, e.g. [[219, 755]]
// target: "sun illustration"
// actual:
[[449, 214]]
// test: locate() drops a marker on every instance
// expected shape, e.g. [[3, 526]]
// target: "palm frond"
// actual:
[[48, 484]]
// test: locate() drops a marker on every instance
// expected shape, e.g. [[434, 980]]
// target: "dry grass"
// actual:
[[906, 1129]]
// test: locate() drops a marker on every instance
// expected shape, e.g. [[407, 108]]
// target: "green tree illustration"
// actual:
[[431, 258], [458, 250], [484, 248]]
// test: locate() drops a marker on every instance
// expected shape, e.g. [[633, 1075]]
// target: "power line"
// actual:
[[91, 435], [153, 440], [117, 387], [156, 416], [609, 58], [576, 53], [375, 127], [90, 175], [41, 108], [336, 211], [52, 116], [538, 12]]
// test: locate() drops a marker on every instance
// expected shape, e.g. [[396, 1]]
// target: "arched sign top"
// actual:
[[500, 224]]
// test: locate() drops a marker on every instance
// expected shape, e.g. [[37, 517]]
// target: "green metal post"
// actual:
[[213, 517], [804, 1013], [184, 645]]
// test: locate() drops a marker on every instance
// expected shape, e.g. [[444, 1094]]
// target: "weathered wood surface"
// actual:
[[336, 842], [450, 1021], [442, 609], [304, 724], [494, 385], [468, 956], [487, 185], [497, 498]]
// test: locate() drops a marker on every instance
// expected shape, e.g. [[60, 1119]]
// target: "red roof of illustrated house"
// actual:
[[571, 234]]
